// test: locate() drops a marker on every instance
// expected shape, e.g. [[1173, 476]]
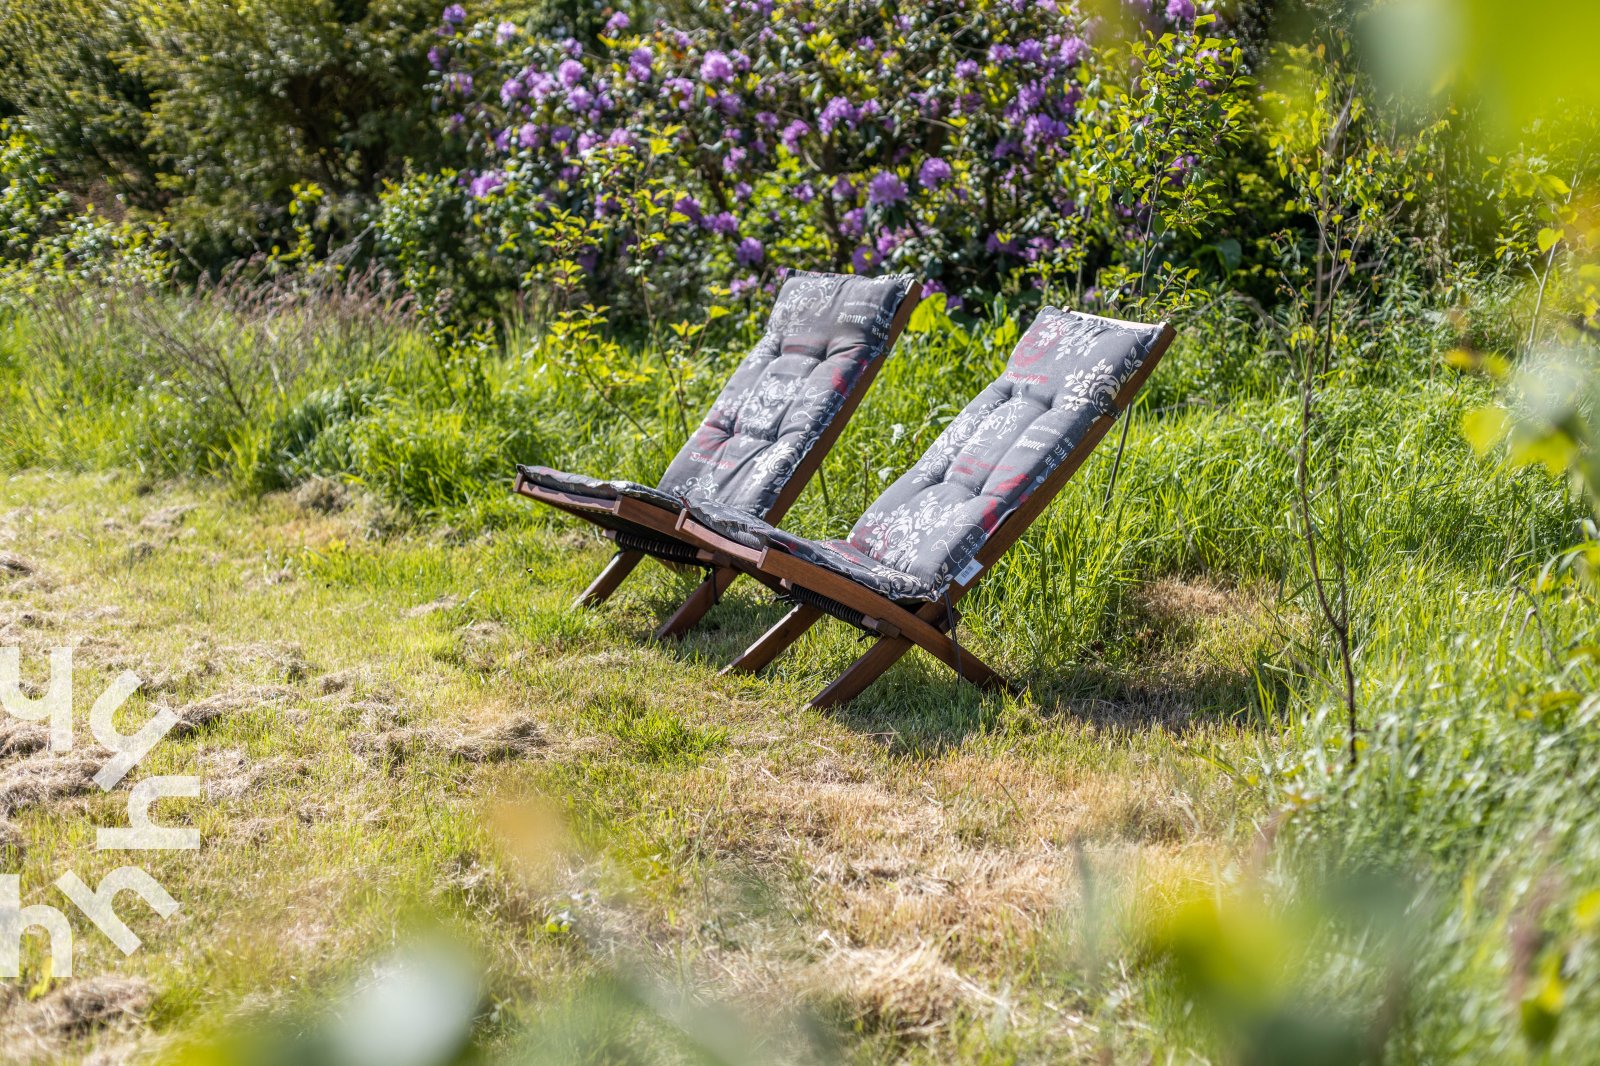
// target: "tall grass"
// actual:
[[1477, 688]]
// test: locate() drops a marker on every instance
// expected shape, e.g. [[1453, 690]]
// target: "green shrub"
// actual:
[[209, 113], [256, 98], [32, 204], [66, 71], [430, 460]]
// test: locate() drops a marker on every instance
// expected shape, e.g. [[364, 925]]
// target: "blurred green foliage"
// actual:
[[1469, 222], [251, 99], [200, 121], [208, 113]]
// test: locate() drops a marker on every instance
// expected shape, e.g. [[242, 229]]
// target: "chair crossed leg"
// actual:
[[601, 588], [897, 629], [689, 612]]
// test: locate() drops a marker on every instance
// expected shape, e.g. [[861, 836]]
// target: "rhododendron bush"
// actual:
[[986, 146]]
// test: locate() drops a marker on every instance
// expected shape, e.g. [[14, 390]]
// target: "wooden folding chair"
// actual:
[[763, 439], [935, 531]]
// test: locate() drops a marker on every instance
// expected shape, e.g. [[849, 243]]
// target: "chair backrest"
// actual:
[[1066, 372], [820, 350]]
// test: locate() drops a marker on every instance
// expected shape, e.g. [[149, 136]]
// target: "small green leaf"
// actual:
[[1586, 912], [1485, 427], [928, 314], [1541, 1011], [1554, 451]]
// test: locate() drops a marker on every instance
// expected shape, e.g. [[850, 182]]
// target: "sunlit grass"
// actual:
[[1175, 735]]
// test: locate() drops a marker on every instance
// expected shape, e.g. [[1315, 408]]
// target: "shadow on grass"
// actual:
[[1173, 657], [921, 710], [744, 612], [1172, 654]]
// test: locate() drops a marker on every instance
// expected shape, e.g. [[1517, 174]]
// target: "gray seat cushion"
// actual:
[[824, 331], [594, 488], [837, 555], [923, 531]]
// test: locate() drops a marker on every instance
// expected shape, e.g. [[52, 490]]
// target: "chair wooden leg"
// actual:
[[601, 588], [963, 662], [701, 600], [884, 653], [790, 628]]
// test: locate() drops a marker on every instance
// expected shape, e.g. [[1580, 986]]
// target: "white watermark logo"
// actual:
[[142, 833]]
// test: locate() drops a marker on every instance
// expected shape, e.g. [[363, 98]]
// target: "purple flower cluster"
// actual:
[[716, 68], [934, 173], [887, 153], [838, 112], [885, 190], [793, 134], [639, 61], [487, 182], [749, 253]]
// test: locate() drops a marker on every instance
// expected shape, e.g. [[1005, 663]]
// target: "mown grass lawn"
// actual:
[[373, 718], [409, 739]]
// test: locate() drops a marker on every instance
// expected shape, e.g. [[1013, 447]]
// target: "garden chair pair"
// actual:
[[928, 538]]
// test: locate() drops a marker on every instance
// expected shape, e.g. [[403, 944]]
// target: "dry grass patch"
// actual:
[[231, 774], [442, 603], [975, 851], [43, 779], [1061, 805], [520, 738], [911, 993], [167, 518], [19, 738], [15, 565], [393, 748], [94, 1008], [1202, 626], [884, 865], [322, 495], [218, 707], [285, 660]]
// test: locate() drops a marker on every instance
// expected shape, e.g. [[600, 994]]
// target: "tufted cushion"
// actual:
[[581, 485], [824, 331], [926, 527], [836, 555]]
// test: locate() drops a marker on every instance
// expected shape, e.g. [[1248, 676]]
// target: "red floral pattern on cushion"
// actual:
[[824, 331], [920, 534]]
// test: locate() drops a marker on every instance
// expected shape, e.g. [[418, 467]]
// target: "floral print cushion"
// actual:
[[825, 329], [741, 527], [836, 555], [922, 533], [1064, 374], [580, 485]]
